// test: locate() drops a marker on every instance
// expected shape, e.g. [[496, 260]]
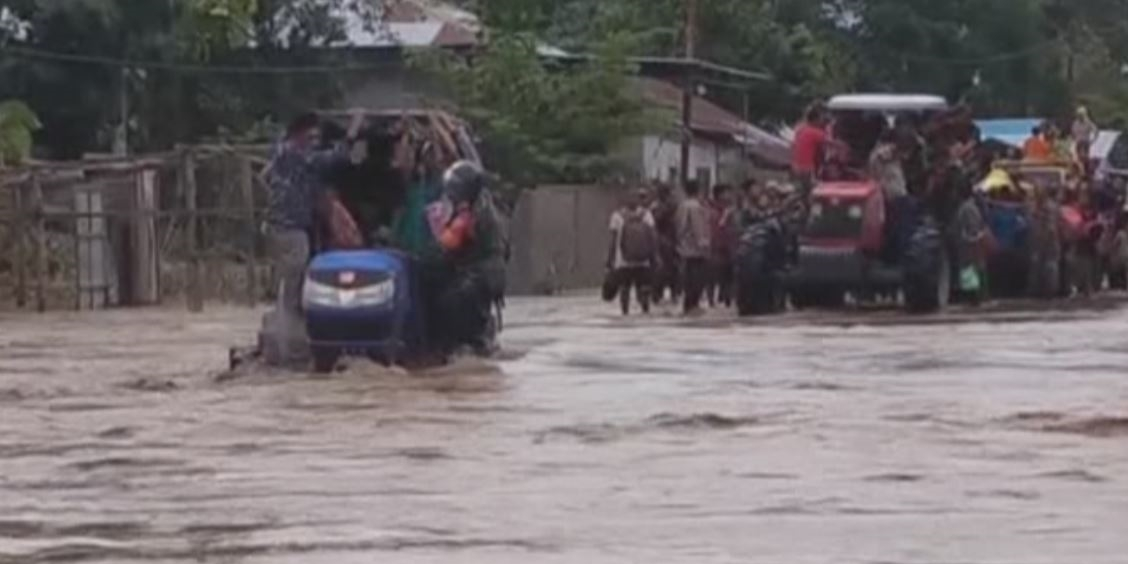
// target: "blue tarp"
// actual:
[[1008, 224], [1013, 132]]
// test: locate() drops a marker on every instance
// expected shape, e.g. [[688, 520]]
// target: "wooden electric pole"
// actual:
[[688, 87]]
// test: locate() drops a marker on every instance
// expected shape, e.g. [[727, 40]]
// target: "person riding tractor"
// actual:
[[862, 234]]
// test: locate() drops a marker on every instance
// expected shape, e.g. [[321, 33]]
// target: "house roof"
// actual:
[[709, 118], [401, 11], [363, 34], [428, 23], [436, 10], [888, 102], [401, 23]]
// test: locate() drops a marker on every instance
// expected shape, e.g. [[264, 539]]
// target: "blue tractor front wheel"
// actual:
[[325, 359]]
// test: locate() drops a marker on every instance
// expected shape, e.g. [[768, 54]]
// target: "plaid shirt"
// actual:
[[296, 177]]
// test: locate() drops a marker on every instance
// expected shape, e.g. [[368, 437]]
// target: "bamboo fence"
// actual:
[[197, 218]]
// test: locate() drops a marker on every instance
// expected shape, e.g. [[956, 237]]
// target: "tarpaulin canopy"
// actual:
[[1013, 132]]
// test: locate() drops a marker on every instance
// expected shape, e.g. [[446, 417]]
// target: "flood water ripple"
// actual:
[[595, 439]]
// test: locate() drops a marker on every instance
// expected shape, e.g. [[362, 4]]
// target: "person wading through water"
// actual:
[[693, 229], [296, 180], [973, 243], [633, 252], [1044, 241], [474, 243], [725, 209], [666, 277]]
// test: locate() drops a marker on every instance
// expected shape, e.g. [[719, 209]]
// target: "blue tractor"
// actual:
[[368, 302], [361, 302]]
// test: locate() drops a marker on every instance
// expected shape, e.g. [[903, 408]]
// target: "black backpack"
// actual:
[[637, 241]]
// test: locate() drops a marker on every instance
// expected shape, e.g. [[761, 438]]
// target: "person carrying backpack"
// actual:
[[633, 252]]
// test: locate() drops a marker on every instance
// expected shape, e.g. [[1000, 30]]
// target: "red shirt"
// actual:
[[805, 153], [721, 243], [458, 233]]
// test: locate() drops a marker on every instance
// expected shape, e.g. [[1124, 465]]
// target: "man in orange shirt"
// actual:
[[1037, 148]]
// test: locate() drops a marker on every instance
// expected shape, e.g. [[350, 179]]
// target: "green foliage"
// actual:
[[208, 25], [1007, 57], [78, 102], [17, 124], [540, 124]]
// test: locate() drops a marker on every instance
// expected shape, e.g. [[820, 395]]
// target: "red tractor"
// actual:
[[853, 240]]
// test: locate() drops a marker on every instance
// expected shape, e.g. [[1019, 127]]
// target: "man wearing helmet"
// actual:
[[473, 243]]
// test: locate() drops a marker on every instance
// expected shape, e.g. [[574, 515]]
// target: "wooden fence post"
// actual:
[[247, 186], [146, 270], [40, 242], [18, 229], [194, 283]]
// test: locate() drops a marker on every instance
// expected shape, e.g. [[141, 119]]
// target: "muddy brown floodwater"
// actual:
[[596, 440]]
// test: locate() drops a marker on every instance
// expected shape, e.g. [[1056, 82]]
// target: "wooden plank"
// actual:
[[40, 244], [146, 274], [57, 212], [90, 231], [18, 234], [194, 282], [247, 186], [108, 164], [78, 243]]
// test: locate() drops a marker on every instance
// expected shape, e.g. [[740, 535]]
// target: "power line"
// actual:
[[150, 64], [997, 58], [116, 62]]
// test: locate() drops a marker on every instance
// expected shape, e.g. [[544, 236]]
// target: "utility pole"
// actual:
[[689, 79], [121, 136]]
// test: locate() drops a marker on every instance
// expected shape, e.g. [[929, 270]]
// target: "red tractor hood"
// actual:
[[848, 190], [866, 193]]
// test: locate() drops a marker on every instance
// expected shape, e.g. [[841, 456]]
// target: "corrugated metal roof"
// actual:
[[707, 116], [359, 33], [405, 23], [888, 102], [711, 118]]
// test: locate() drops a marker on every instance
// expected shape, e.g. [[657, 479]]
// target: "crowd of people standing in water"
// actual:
[[683, 249], [663, 248]]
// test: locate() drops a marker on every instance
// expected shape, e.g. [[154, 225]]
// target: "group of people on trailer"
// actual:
[[458, 250], [1075, 227], [1068, 235], [662, 247], [1066, 232]]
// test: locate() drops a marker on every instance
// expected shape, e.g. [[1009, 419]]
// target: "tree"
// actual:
[[17, 123], [1009, 57], [792, 41], [169, 103], [540, 124]]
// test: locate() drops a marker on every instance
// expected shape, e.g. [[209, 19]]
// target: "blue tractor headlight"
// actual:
[[319, 294]]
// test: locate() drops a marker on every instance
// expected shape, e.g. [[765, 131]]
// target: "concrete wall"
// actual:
[[559, 238], [661, 158]]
